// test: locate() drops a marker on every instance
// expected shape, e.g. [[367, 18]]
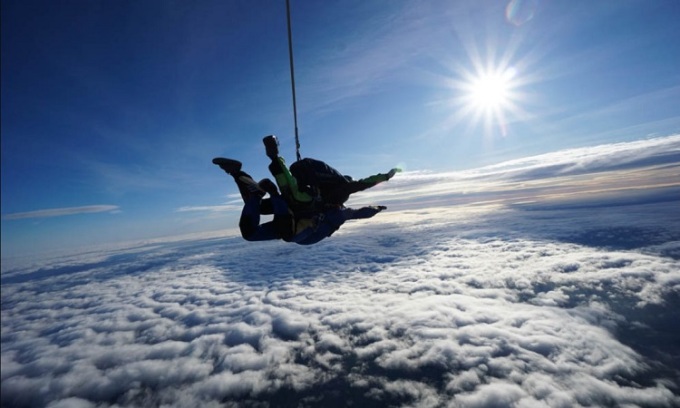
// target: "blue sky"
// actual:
[[112, 111]]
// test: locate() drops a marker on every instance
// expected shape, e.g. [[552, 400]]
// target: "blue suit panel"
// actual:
[[330, 221]]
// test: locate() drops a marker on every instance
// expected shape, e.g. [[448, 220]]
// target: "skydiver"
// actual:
[[311, 183], [304, 229]]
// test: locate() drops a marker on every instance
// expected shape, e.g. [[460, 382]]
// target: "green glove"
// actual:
[[392, 172]]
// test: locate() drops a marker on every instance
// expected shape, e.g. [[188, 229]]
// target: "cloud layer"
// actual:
[[482, 306], [548, 281], [610, 174]]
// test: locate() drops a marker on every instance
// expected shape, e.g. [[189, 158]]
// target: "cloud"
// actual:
[[211, 208], [602, 158], [457, 306], [624, 172], [59, 212], [234, 203], [561, 299], [608, 173]]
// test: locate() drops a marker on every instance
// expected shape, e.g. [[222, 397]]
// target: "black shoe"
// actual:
[[228, 165], [271, 145], [269, 186]]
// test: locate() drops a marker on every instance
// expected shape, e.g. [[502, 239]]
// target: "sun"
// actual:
[[490, 91], [486, 96], [489, 96]]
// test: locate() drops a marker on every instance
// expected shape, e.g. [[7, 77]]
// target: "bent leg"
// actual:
[[281, 227], [283, 222], [242, 187], [249, 224]]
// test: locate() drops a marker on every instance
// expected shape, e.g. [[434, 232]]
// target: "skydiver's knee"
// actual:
[[248, 229]]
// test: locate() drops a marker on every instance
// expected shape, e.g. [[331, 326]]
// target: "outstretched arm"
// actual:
[[378, 178], [341, 193], [364, 212], [325, 224]]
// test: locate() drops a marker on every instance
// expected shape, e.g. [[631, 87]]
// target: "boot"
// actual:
[[228, 165], [271, 145]]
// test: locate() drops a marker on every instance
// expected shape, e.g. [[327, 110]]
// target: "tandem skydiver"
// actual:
[[304, 227]]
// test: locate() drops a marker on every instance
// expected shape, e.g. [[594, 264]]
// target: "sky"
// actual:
[[112, 111], [550, 281]]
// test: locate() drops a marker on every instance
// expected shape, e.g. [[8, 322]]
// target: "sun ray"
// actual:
[[489, 95], [488, 92]]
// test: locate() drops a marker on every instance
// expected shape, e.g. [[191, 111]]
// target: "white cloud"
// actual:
[[560, 302], [624, 172], [59, 212], [212, 208]]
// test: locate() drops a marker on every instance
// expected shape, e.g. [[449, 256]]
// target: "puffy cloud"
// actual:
[[541, 304]]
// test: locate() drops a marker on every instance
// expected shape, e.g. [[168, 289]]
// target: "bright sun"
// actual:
[[491, 91], [490, 97]]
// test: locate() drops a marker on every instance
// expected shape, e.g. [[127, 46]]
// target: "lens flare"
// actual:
[[519, 12]]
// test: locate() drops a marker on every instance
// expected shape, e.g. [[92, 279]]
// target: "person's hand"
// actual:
[[392, 172]]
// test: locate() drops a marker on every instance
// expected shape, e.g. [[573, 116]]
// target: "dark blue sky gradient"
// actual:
[[125, 103]]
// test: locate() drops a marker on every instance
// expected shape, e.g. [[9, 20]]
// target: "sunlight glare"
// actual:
[[490, 91], [491, 96]]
